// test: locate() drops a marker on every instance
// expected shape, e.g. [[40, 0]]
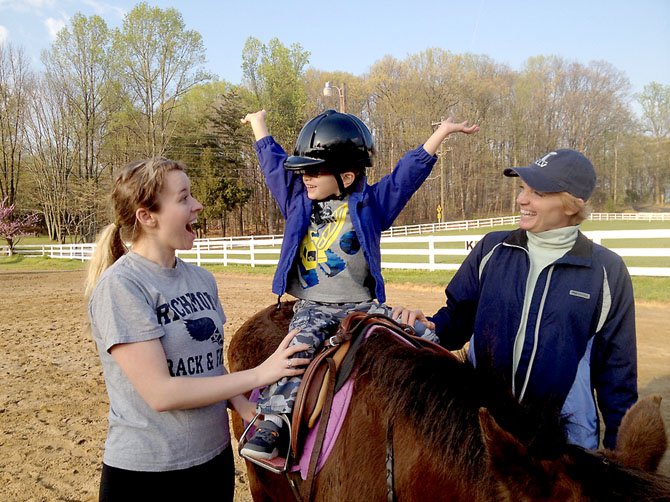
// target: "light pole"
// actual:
[[442, 180], [341, 91]]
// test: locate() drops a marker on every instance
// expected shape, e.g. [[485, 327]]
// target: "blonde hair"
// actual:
[[137, 186], [575, 204]]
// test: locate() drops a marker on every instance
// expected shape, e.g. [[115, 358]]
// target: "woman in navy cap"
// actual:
[[548, 310]]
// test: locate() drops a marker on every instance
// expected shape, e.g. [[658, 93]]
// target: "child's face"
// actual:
[[320, 186]]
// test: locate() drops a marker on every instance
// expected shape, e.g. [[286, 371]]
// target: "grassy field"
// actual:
[[20, 264], [648, 289]]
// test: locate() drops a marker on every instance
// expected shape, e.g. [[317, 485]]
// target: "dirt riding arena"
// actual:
[[53, 404]]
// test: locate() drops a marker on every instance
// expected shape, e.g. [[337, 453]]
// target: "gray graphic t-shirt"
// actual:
[[330, 266], [137, 300]]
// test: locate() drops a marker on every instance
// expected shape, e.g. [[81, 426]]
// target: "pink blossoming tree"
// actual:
[[13, 227]]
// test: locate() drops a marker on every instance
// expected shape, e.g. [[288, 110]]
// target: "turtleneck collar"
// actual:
[[556, 238]]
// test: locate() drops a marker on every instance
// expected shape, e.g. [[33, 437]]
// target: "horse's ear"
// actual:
[[509, 460], [500, 444], [642, 440]]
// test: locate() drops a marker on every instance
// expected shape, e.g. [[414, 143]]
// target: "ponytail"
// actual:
[[108, 248]]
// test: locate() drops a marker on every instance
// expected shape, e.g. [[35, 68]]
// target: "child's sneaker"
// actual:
[[264, 445]]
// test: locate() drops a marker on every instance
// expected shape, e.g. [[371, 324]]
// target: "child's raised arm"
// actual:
[[257, 121], [445, 128]]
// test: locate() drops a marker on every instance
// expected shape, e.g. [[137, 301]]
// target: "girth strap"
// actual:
[[321, 431]]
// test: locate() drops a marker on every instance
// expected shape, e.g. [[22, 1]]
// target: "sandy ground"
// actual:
[[53, 404]]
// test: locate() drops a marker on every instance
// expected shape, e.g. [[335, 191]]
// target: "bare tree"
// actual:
[[655, 101], [16, 86], [53, 148], [79, 64]]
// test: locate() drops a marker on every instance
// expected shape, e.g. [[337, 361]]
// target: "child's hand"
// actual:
[[257, 121], [251, 118], [449, 126], [408, 316], [445, 128]]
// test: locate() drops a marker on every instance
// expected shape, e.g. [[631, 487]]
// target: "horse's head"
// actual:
[[577, 474], [642, 440]]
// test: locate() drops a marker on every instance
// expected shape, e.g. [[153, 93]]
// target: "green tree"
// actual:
[[79, 63], [158, 61], [214, 146], [230, 187], [273, 73]]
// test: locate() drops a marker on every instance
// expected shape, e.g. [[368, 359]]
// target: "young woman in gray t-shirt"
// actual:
[[158, 326]]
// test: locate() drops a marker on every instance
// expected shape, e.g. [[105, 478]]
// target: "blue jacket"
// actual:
[[372, 208], [580, 334]]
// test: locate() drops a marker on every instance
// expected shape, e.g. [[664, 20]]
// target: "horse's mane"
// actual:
[[429, 389]]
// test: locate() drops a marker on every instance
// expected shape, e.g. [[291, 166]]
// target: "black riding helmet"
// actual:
[[333, 142]]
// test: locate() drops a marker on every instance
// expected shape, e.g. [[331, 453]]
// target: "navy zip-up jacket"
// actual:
[[372, 208], [580, 332]]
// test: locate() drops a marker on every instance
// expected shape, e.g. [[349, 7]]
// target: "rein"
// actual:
[[390, 490]]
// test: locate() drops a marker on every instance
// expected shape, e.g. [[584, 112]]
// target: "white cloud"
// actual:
[[102, 8], [27, 5], [4, 34], [53, 26], [40, 4]]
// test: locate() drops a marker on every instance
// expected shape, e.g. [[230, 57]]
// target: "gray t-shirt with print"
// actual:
[[330, 266], [137, 300]]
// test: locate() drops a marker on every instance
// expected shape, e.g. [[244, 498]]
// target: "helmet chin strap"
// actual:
[[340, 185], [316, 209]]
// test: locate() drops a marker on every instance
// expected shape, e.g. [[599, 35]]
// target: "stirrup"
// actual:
[[278, 465]]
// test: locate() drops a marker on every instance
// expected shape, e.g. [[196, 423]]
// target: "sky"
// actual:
[[351, 35]]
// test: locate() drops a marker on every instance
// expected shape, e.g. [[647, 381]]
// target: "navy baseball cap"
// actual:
[[559, 171]]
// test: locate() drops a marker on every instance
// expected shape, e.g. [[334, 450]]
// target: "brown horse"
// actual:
[[457, 434]]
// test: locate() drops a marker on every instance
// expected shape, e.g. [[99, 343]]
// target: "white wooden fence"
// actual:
[[430, 248], [414, 250], [429, 228], [429, 252]]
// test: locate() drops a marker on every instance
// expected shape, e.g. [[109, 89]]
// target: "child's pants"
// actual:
[[316, 322]]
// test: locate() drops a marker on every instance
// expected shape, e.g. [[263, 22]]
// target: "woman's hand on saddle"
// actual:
[[282, 363], [407, 316]]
